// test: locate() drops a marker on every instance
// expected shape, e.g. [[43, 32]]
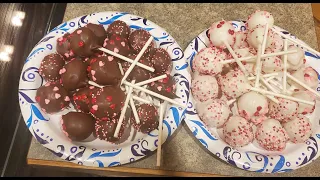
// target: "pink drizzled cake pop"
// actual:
[[271, 135], [308, 96], [306, 75], [241, 40], [213, 113], [238, 132], [222, 31], [259, 18], [253, 107], [207, 61], [298, 129], [204, 87], [234, 84], [284, 111], [271, 64]]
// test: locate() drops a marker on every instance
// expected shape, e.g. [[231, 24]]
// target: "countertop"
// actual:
[[183, 152]]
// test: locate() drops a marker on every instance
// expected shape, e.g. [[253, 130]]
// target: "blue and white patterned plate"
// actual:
[[46, 128], [251, 157]]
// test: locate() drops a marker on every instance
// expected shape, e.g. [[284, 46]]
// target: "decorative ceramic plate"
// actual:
[[46, 128], [251, 157]]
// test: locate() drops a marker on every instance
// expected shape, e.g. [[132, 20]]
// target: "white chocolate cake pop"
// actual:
[[298, 129], [255, 36], [259, 18], [295, 60], [307, 75], [274, 41], [271, 135], [308, 96], [240, 41], [204, 87], [222, 31], [238, 132], [271, 64], [284, 111], [253, 107], [207, 61], [234, 84], [213, 113]]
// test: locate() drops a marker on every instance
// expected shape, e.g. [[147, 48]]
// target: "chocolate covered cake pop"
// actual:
[[107, 102], [149, 119], [50, 67], [138, 39], [118, 45], [165, 87], [161, 61], [83, 42], [74, 75], [63, 47], [52, 97], [104, 71], [99, 31], [105, 130], [77, 126], [120, 28], [139, 74], [82, 97]]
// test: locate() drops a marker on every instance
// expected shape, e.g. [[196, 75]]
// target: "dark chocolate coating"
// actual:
[[63, 47], [149, 118], [104, 71], [52, 97], [161, 61], [120, 28], [165, 87], [139, 74], [82, 98], [99, 31], [79, 126], [117, 44], [50, 67], [107, 102], [83, 42], [105, 130], [138, 39], [74, 75]]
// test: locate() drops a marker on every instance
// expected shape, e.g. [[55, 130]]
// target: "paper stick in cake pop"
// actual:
[[285, 63], [241, 66], [296, 42], [253, 58], [272, 98], [134, 111], [231, 101], [281, 96], [123, 112], [142, 83], [268, 85], [303, 84], [137, 59], [264, 41], [270, 75], [161, 114], [126, 59], [258, 66], [154, 94]]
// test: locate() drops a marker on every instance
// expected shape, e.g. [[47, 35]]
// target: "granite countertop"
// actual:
[[183, 152]]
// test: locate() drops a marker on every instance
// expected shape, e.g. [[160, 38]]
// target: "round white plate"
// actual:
[[46, 128], [252, 157]]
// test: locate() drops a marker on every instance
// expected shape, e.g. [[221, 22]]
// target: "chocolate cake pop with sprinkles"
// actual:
[[74, 75], [63, 47], [82, 97], [50, 67], [120, 28], [52, 97], [99, 31], [77, 126], [118, 45], [165, 87], [138, 39], [149, 118], [83, 42], [105, 130], [107, 102], [161, 61], [104, 71]]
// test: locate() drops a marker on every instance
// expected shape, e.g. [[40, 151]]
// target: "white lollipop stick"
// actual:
[[258, 66], [271, 75], [281, 96], [154, 94], [303, 85], [252, 58], [126, 59], [140, 99], [264, 41], [231, 101], [142, 83], [275, 100], [296, 42], [134, 110], [136, 59], [123, 112], [268, 85], [161, 114], [285, 60], [241, 66]]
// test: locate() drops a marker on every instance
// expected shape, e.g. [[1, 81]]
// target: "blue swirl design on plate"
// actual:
[[313, 149], [100, 163], [259, 158], [312, 55], [114, 164], [37, 113], [195, 133], [138, 18], [39, 139], [60, 150], [143, 150], [62, 27], [175, 114], [152, 135], [178, 51], [278, 167], [100, 154], [190, 59], [139, 27], [79, 154], [45, 39], [182, 67], [111, 20], [230, 158], [33, 53], [205, 131], [82, 21]]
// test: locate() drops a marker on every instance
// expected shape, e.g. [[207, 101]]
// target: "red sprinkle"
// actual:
[[259, 108], [112, 106], [81, 43], [37, 98], [231, 31], [306, 75], [109, 98], [219, 26], [168, 89]]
